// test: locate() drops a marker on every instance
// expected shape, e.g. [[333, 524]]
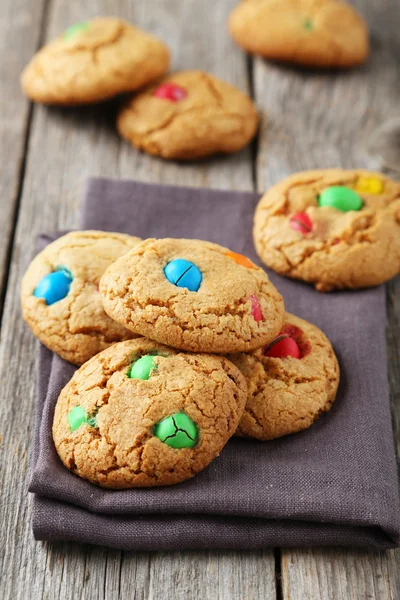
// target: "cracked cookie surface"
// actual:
[[189, 115], [94, 61], [236, 307], [330, 248], [119, 444], [313, 33], [286, 395], [76, 326]]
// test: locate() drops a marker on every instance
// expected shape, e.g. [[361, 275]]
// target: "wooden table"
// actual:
[[308, 120]]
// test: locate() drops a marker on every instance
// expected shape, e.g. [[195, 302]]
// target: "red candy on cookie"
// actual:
[[170, 91], [301, 222], [282, 347]]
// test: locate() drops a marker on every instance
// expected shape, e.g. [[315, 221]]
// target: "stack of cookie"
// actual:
[[182, 343]]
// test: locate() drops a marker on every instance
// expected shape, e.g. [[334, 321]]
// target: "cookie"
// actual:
[[93, 61], [290, 382], [189, 115], [193, 295], [141, 414], [333, 228], [60, 298], [312, 33]]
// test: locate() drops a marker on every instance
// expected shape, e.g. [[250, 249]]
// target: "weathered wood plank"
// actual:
[[316, 120], [212, 575], [20, 24], [65, 147]]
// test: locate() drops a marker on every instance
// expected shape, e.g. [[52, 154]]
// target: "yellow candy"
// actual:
[[369, 185]]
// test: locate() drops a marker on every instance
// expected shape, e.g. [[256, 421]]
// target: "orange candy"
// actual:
[[241, 260]]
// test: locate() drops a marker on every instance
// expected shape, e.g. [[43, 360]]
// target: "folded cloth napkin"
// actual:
[[333, 484]]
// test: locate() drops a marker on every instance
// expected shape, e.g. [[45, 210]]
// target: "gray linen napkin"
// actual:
[[334, 484]]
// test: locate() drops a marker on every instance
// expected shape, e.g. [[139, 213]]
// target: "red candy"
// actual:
[[282, 347], [256, 308], [170, 91], [301, 222]]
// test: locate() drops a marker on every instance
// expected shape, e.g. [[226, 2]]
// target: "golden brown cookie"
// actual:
[[290, 382], [60, 297], [93, 61], [193, 295], [333, 228], [189, 115], [312, 33], [141, 414]]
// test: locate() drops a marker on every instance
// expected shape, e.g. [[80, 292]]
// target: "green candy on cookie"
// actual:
[[177, 431]]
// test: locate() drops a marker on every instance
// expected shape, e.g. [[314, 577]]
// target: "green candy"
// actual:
[[92, 421], [74, 30], [177, 431], [76, 417], [340, 197], [142, 368], [308, 25]]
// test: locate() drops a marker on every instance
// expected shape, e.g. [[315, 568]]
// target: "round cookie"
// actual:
[[334, 228], [189, 115], [193, 295], [60, 298], [93, 61], [121, 425], [290, 382], [312, 33]]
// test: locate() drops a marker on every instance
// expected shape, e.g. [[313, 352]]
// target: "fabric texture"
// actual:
[[333, 484]]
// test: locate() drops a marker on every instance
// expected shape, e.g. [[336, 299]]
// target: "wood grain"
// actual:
[[316, 120], [65, 147], [20, 25]]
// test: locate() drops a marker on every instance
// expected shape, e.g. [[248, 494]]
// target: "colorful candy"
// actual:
[[75, 29], [241, 260], [184, 274], [369, 185], [54, 286], [282, 347], [177, 431], [76, 417], [308, 25], [301, 222], [170, 91], [340, 197], [142, 368], [256, 308]]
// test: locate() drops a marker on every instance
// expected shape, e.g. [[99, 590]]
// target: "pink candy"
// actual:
[[256, 308], [170, 91]]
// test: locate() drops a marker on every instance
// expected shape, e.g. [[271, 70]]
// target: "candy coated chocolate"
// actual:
[[54, 286], [369, 185], [256, 308], [340, 197], [76, 417], [282, 347], [301, 222], [308, 25], [170, 91], [75, 29], [177, 431], [142, 368], [240, 260], [184, 274]]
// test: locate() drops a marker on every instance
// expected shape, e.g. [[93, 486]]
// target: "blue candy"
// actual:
[[54, 286], [184, 274]]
